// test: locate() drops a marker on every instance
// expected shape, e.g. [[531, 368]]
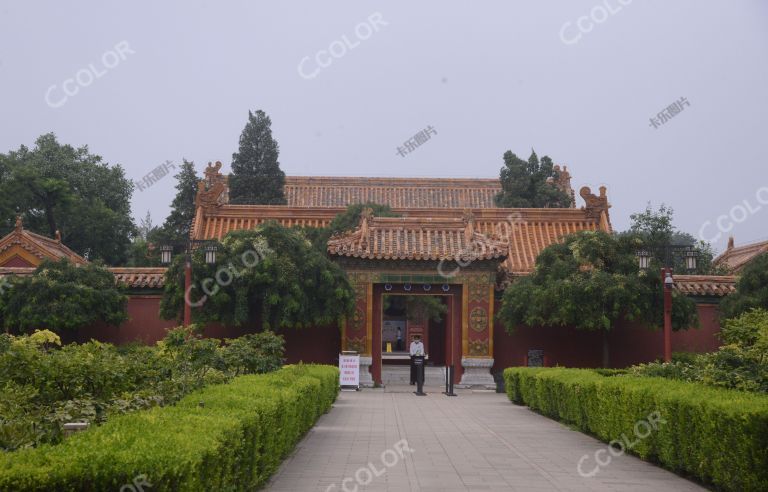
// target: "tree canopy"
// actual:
[[179, 221], [417, 307], [345, 221], [530, 184], [61, 296], [751, 289], [59, 187], [256, 176], [590, 281], [270, 275], [656, 229]]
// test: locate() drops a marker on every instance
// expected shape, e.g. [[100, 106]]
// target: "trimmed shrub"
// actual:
[[719, 436], [224, 437]]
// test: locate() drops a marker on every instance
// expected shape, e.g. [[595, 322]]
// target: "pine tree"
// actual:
[[179, 220], [526, 184], [256, 175]]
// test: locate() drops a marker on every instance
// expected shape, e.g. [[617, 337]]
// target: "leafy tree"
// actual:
[[345, 221], [530, 184], [254, 353], [146, 228], [179, 222], [751, 289], [590, 281], [270, 274], [61, 296], [656, 229], [417, 308], [741, 363], [59, 187], [141, 253], [256, 175]]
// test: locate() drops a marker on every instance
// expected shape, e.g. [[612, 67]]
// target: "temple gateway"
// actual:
[[449, 242]]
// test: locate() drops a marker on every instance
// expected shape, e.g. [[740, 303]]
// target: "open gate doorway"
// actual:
[[442, 340]]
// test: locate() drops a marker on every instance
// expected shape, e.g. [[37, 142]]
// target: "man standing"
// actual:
[[417, 348]]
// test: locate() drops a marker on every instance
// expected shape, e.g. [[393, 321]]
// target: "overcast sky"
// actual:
[[346, 83]]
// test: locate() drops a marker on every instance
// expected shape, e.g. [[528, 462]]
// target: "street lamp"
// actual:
[[644, 259], [667, 252], [690, 258], [166, 252], [210, 254]]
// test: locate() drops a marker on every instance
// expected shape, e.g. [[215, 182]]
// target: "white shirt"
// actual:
[[417, 348]]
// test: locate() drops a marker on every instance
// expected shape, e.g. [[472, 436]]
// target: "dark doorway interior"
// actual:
[[436, 347], [406, 316]]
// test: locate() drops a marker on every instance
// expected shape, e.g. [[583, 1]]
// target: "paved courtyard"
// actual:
[[476, 441]]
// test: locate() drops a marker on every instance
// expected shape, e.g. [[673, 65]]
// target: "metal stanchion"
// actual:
[[449, 382], [418, 361]]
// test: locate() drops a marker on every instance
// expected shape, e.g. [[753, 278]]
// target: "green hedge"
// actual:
[[717, 435], [224, 437]]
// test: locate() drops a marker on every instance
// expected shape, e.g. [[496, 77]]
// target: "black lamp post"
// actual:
[[166, 253], [668, 252]]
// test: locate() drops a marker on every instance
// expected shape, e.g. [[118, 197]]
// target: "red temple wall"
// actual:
[[316, 344], [144, 324], [630, 343]]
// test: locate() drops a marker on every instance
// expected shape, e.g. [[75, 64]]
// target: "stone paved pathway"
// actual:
[[477, 441]]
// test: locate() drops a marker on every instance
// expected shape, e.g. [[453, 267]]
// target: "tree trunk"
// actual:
[[606, 355]]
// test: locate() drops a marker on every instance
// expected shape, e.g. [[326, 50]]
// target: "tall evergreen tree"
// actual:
[[256, 175], [141, 252], [530, 184], [179, 220]]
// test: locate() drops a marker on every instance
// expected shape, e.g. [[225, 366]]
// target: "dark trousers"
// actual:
[[413, 371]]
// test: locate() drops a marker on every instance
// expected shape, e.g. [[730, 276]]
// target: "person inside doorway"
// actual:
[[399, 340], [417, 348]]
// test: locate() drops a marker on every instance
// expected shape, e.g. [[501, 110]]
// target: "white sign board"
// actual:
[[349, 370]]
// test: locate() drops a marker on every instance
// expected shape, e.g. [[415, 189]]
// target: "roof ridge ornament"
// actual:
[[469, 225], [563, 182], [213, 190], [365, 217], [595, 205], [19, 223]]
